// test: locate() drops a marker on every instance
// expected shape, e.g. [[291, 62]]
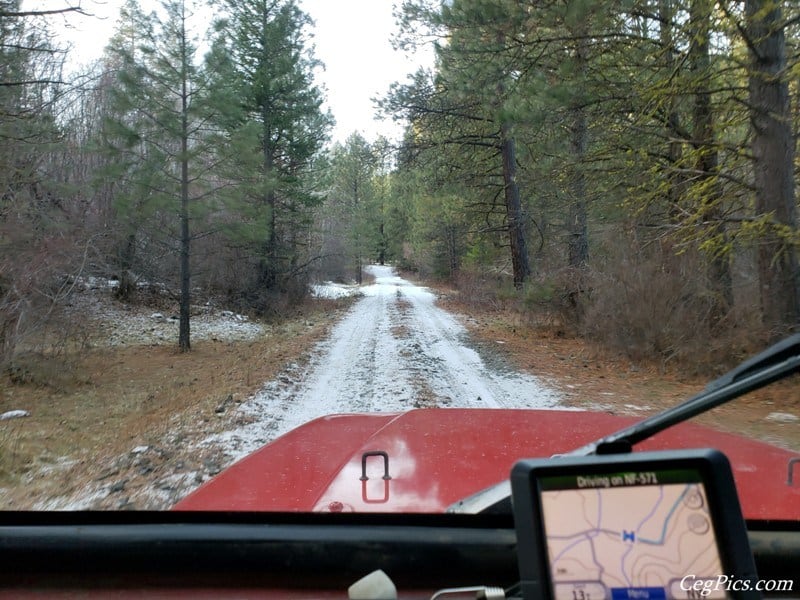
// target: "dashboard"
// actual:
[[285, 555]]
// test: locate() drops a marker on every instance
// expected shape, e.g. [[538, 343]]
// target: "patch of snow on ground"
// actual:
[[334, 291], [120, 324], [83, 502], [14, 414], [782, 417]]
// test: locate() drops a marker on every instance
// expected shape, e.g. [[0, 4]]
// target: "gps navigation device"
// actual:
[[636, 526]]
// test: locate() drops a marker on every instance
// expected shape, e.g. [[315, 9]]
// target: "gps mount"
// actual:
[[622, 526]]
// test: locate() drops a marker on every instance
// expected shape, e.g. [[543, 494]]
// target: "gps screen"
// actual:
[[632, 535]]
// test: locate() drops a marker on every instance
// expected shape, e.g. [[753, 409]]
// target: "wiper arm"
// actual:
[[774, 363]]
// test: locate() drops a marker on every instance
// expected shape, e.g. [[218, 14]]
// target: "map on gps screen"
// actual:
[[635, 535]]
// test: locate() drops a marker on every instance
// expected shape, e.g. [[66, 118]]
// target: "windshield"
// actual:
[[298, 255]]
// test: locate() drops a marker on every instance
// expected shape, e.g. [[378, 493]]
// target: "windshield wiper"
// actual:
[[776, 362]]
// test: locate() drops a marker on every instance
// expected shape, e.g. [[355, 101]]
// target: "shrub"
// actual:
[[649, 304]]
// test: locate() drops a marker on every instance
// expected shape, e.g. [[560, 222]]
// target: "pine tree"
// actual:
[[158, 132], [352, 209], [465, 106], [773, 154], [275, 123]]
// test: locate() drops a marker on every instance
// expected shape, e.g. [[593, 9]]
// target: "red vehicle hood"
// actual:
[[435, 457]]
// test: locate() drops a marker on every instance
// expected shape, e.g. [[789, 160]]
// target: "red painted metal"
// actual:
[[438, 456]]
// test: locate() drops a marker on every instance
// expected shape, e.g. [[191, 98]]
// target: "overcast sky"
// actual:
[[352, 38]]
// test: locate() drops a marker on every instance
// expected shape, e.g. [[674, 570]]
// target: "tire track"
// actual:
[[393, 351]]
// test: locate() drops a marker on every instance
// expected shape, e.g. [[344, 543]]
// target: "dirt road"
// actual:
[[395, 350]]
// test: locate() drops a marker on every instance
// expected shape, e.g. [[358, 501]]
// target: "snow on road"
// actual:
[[393, 351]]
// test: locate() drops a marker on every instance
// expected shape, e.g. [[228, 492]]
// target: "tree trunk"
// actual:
[[676, 180], [773, 154], [269, 261], [185, 300], [578, 245], [577, 228], [452, 250], [520, 263], [516, 231], [382, 248], [719, 271], [358, 269], [578, 231], [127, 282]]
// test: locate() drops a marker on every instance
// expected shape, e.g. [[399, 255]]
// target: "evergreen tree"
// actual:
[[159, 134], [465, 106], [773, 149], [353, 206], [275, 125], [665, 121]]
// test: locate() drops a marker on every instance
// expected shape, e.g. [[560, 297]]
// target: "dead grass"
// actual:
[[115, 399]]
